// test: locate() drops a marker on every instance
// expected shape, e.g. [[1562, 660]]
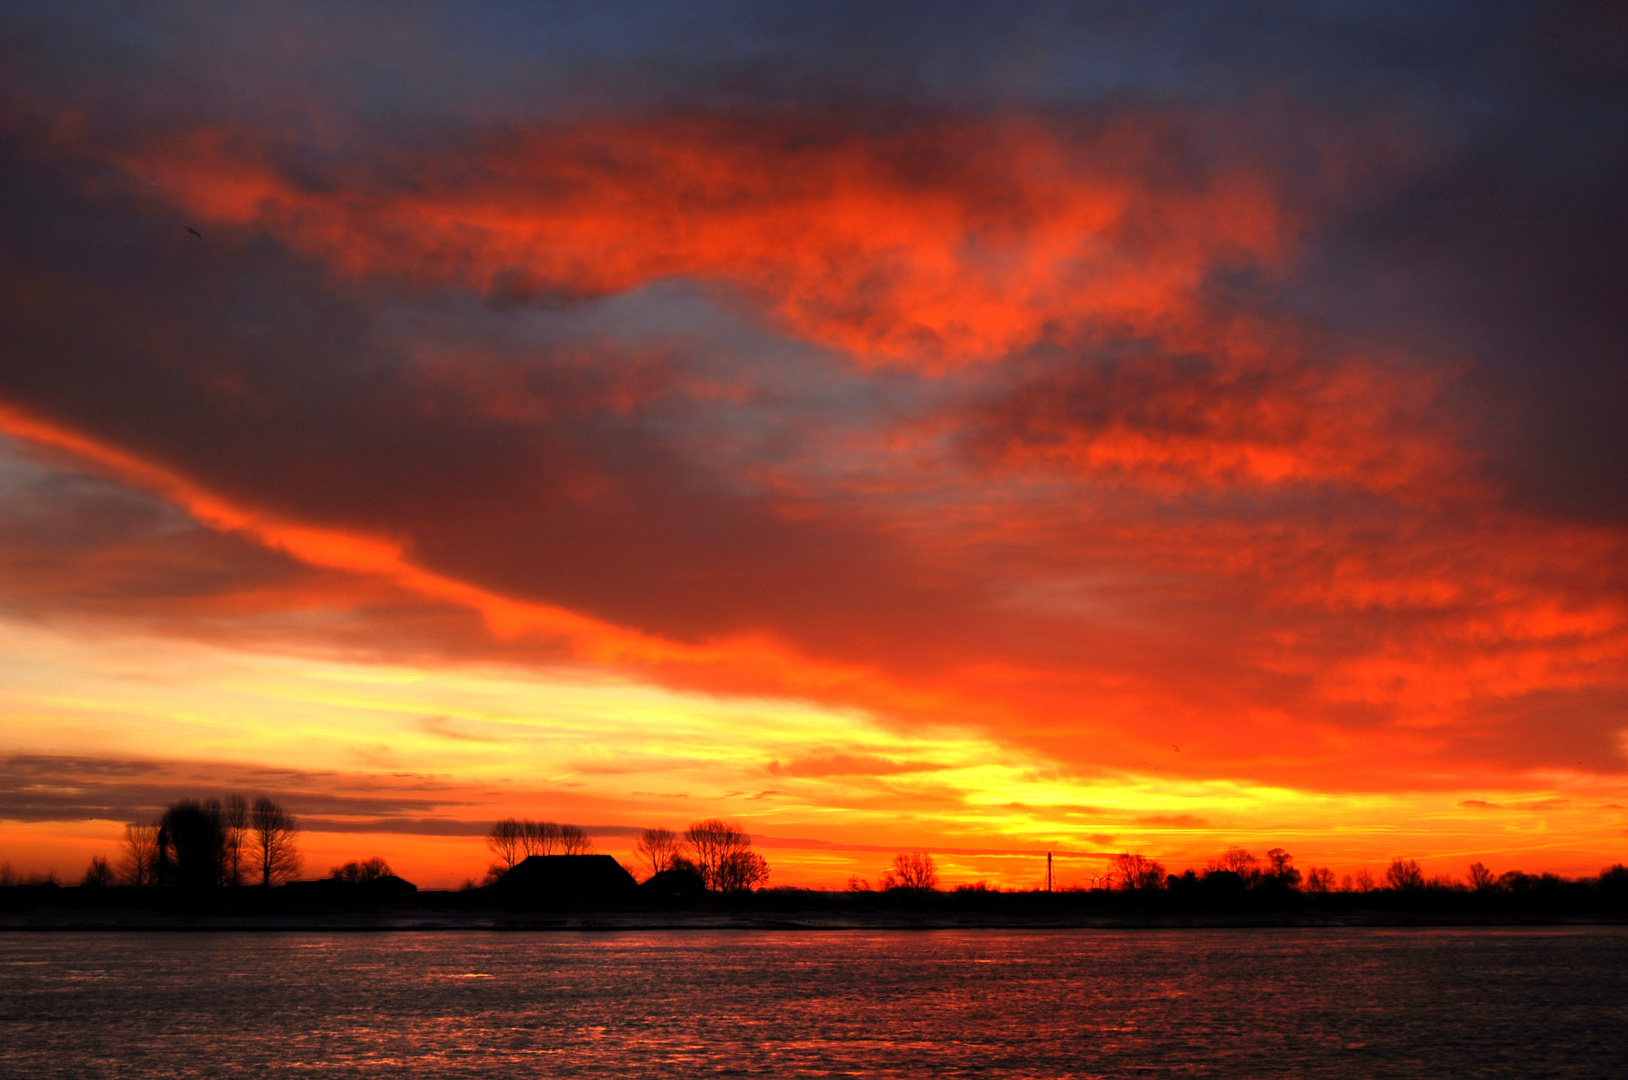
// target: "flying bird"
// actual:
[[193, 231]]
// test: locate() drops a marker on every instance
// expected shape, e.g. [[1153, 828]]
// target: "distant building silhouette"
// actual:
[[563, 881], [678, 886]]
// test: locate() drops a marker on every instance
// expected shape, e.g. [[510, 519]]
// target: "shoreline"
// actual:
[[441, 921]]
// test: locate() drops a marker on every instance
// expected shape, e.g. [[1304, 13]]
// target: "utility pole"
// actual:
[[1048, 871]]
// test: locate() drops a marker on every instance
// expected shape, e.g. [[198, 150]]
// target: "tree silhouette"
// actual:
[[538, 837], [272, 835], [742, 871], [1404, 875], [234, 823], [360, 873], [657, 849], [190, 845], [515, 839], [715, 843], [1482, 879], [138, 855], [912, 871], [507, 839], [98, 875], [1235, 860], [1135, 871], [574, 841], [1280, 869], [1319, 879]]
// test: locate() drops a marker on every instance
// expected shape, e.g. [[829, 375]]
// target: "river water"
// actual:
[[1087, 1003]]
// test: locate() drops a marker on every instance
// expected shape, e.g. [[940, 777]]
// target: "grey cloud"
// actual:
[[36, 787]]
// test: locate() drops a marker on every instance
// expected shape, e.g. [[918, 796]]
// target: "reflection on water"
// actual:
[[1220, 1003]]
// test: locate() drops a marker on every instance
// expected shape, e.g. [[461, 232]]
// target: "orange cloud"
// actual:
[[934, 244], [1255, 408]]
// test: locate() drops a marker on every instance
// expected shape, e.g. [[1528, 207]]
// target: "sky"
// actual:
[[979, 429]]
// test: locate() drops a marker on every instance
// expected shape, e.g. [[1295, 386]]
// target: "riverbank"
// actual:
[[255, 910]]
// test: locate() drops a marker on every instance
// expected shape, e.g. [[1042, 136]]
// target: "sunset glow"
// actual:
[[1074, 469]]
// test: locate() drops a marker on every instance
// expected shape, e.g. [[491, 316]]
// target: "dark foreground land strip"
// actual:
[[430, 919], [338, 906]]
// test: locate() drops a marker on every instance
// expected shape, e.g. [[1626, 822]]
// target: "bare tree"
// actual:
[[1365, 881], [98, 875], [913, 871], [741, 871], [658, 849], [1319, 879], [272, 835], [1481, 879], [234, 825], [574, 841], [1136, 871], [508, 841], [1404, 874], [538, 837], [138, 855], [515, 839], [712, 842]]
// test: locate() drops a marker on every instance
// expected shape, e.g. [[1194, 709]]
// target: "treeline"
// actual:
[[716, 853], [206, 844], [1237, 870]]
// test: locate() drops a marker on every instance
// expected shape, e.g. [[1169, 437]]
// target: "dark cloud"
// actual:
[[40, 787], [274, 384], [307, 63]]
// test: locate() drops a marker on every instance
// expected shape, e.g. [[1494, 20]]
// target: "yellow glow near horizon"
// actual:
[[467, 744]]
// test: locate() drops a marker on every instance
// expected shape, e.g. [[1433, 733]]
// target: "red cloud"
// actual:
[[936, 243]]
